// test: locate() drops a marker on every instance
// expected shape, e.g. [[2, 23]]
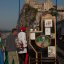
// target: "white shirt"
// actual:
[[22, 37]]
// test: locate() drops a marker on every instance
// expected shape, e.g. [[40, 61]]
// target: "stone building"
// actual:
[[44, 6]]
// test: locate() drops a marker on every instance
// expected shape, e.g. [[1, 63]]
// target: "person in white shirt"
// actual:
[[22, 44]]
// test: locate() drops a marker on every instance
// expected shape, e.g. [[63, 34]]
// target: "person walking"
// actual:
[[11, 47], [1, 50]]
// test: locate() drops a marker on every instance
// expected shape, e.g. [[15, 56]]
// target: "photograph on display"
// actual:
[[47, 31], [32, 36], [51, 51], [48, 23]]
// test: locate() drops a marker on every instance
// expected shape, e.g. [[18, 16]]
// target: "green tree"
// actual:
[[27, 15]]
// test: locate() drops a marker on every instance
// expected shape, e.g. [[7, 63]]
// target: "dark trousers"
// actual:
[[22, 58]]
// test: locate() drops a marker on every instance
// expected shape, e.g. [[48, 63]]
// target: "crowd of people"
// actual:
[[15, 45]]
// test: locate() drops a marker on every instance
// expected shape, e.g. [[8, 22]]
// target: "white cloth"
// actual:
[[24, 51], [22, 37]]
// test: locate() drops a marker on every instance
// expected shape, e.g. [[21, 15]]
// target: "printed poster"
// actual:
[[47, 31], [48, 23], [32, 36], [51, 51]]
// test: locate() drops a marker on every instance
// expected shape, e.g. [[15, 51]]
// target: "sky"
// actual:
[[9, 12]]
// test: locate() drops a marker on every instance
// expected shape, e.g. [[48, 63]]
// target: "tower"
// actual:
[[47, 3]]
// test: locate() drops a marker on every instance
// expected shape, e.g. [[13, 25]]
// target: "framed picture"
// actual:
[[51, 51], [32, 36], [48, 23], [47, 31]]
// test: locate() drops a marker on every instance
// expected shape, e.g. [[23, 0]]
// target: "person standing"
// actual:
[[1, 50], [11, 47], [22, 45]]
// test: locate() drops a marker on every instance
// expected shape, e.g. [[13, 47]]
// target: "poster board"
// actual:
[[51, 51], [32, 36], [48, 23], [47, 31]]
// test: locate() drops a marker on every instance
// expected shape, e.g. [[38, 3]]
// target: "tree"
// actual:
[[27, 15]]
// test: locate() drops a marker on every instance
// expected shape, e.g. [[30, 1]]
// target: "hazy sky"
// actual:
[[9, 11]]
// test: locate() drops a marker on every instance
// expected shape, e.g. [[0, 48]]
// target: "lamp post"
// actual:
[[19, 8], [56, 4], [56, 8], [18, 22]]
